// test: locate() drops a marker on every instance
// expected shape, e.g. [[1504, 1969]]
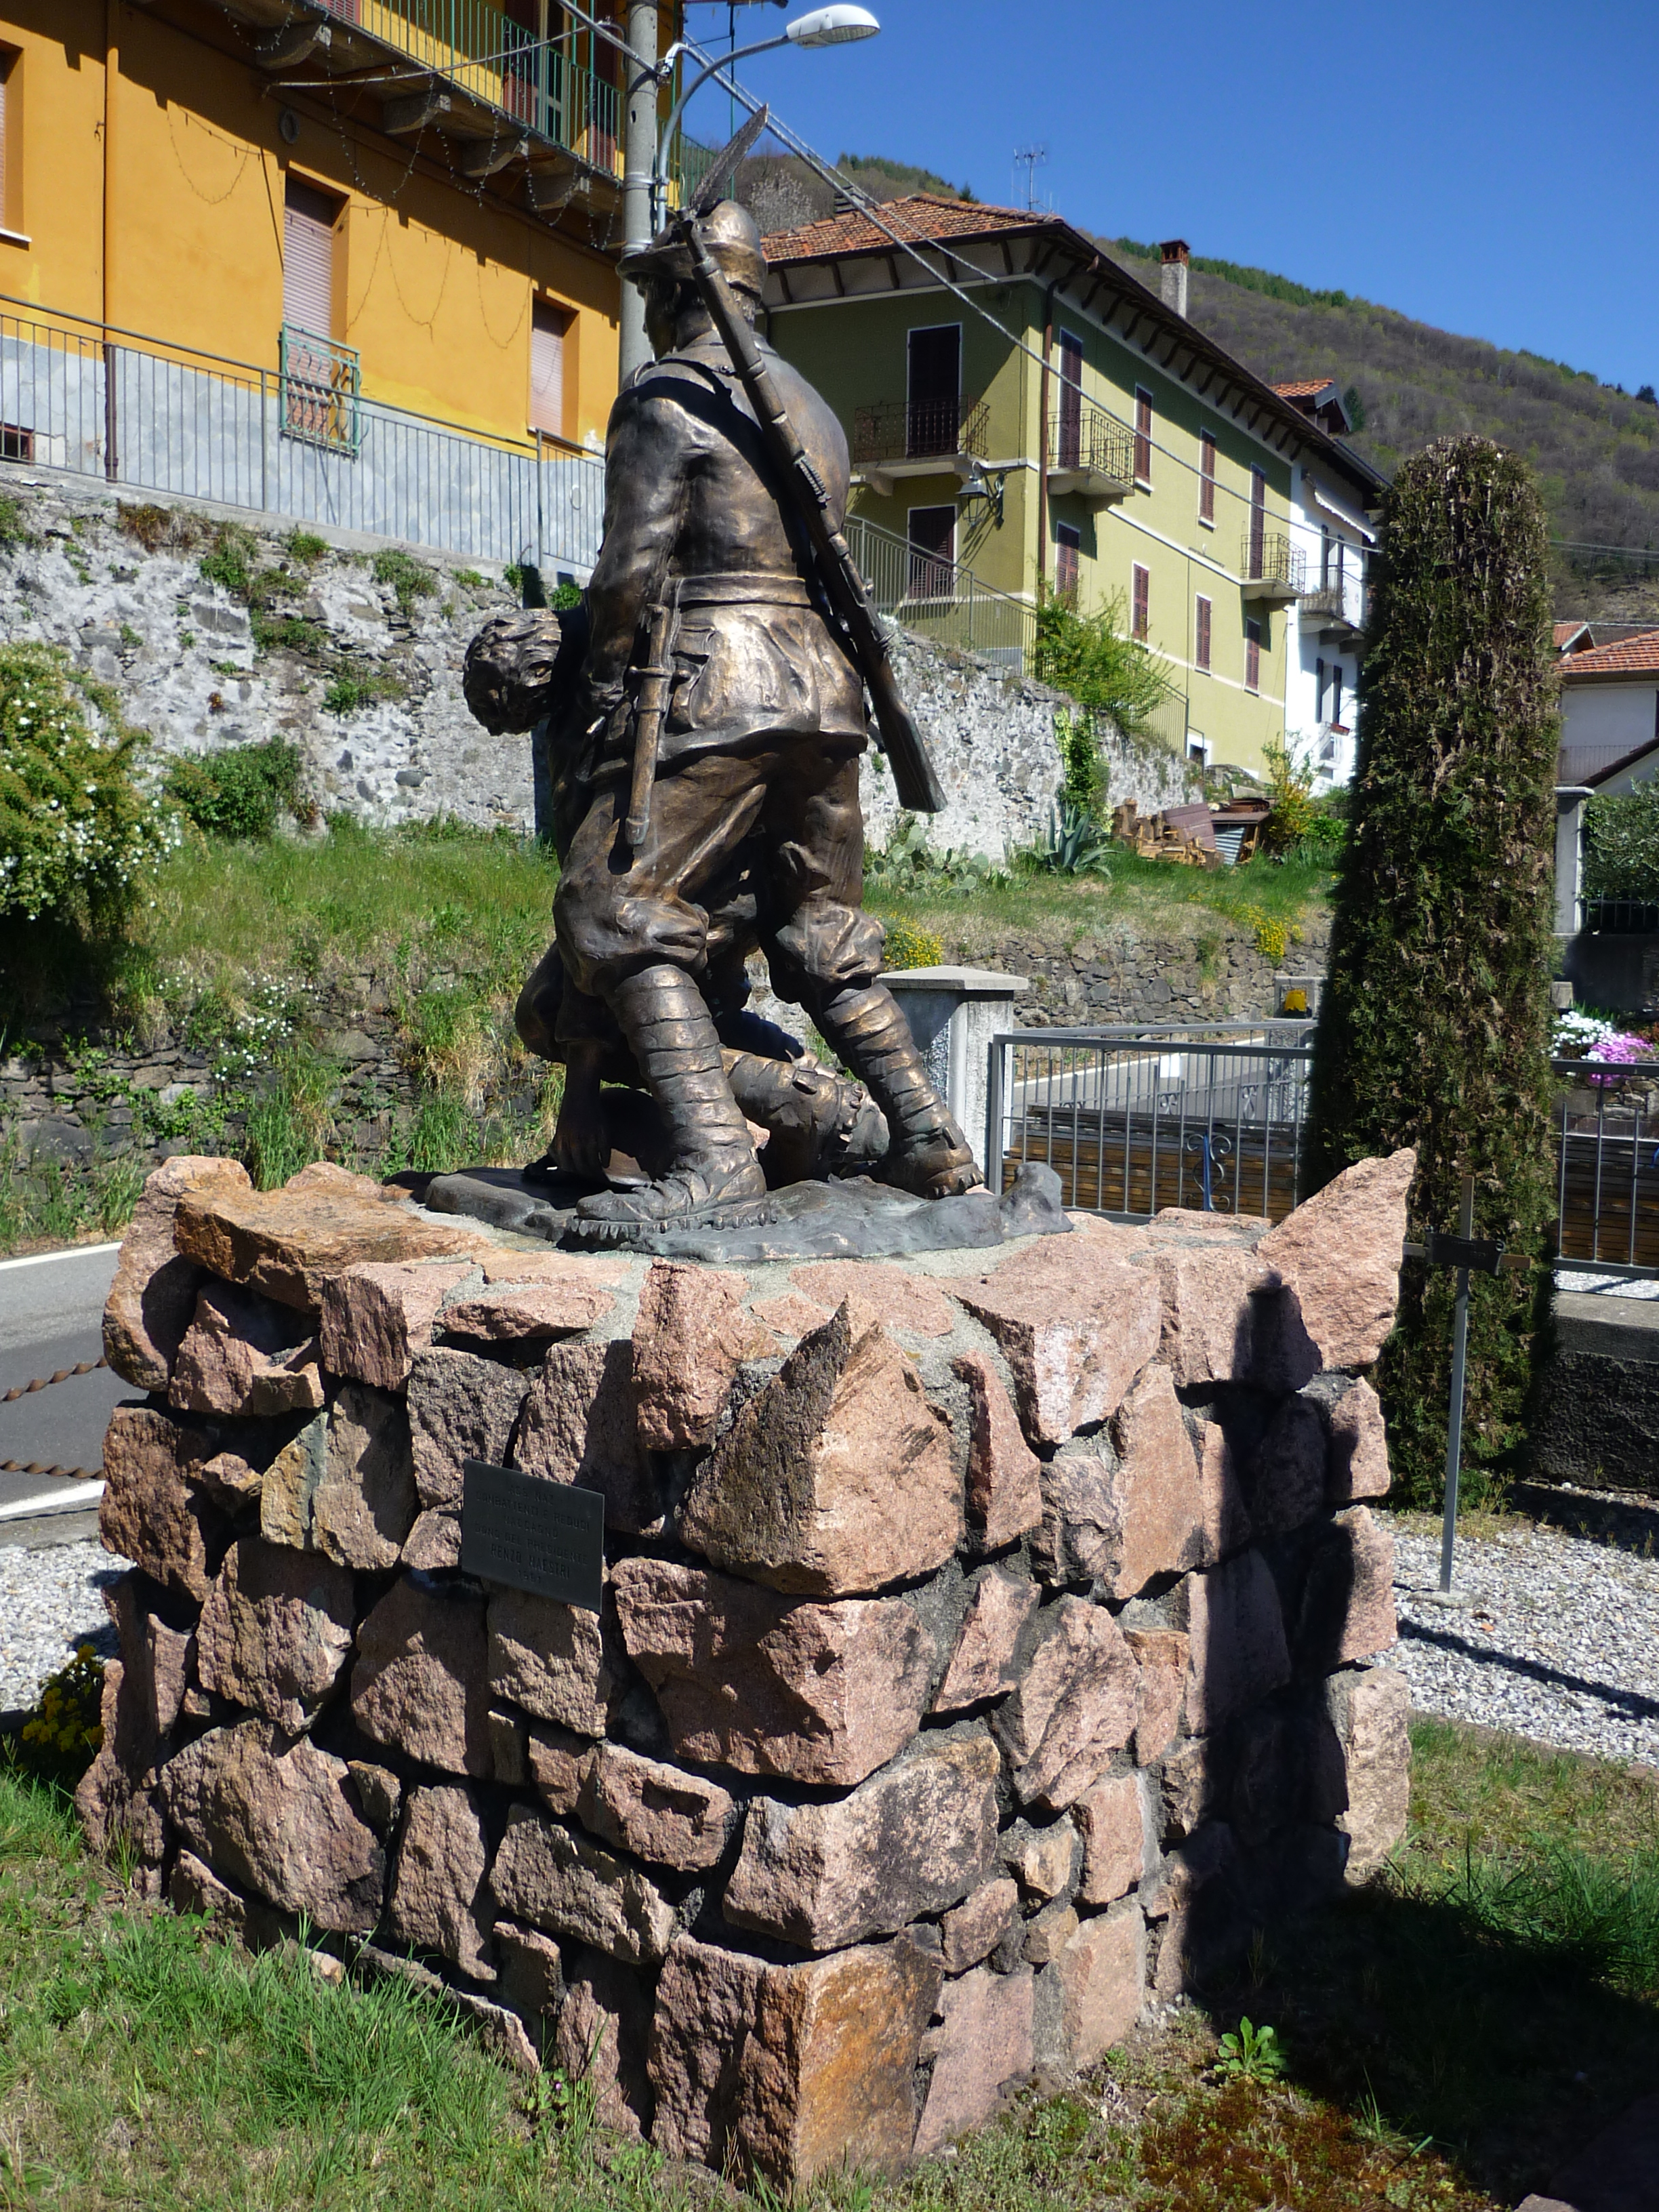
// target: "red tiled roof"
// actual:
[[1566, 631], [1303, 387], [918, 217], [1630, 656]]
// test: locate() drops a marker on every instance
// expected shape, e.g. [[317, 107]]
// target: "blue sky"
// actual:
[[1491, 168]]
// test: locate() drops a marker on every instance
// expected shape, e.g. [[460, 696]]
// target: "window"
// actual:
[[933, 535], [1201, 633], [1198, 748], [1068, 446], [11, 149], [1142, 600], [1258, 519], [548, 325], [1319, 690], [1068, 549], [309, 222], [1336, 695], [1324, 556], [1143, 436], [320, 378], [934, 411], [1252, 656], [1206, 478], [16, 444]]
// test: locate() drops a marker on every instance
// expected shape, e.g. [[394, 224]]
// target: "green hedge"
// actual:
[[1621, 846], [1434, 1032]]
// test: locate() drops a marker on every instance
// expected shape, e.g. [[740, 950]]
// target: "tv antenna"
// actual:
[[1033, 157]]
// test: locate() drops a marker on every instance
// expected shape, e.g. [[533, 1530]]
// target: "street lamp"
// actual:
[[839, 25]]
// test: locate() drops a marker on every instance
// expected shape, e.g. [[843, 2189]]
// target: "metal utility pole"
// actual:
[[639, 156]]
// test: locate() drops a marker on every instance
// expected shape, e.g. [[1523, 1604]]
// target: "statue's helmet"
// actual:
[[733, 240]]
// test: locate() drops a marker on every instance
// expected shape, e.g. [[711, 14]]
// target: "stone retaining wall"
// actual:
[[181, 653], [983, 1649], [115, 1103]]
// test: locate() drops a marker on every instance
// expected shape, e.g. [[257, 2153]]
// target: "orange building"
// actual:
[[349, 259]]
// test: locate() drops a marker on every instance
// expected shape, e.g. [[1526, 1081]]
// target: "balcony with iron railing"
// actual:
[[918, 438], [500, 95], [1090, 453], [1275, 571], [1334, 606]]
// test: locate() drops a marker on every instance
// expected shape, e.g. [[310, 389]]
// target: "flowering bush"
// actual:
[[1585, 1037], [77, 836]]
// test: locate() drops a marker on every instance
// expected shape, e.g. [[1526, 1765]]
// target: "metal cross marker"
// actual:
[[1468, 1254]]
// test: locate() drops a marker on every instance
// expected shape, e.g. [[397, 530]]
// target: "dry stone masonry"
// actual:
[[986, 1646]]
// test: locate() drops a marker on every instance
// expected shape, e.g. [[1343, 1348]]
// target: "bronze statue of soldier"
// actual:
[[708, 759]]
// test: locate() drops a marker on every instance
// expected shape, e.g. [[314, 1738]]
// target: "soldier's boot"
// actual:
[[819, 1124], [927, 1152], [714, 1175]]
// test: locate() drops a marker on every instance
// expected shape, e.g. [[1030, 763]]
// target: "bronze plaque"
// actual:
[[545, 1537]]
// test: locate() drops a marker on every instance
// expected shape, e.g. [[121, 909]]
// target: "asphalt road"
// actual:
[[51, 1313]]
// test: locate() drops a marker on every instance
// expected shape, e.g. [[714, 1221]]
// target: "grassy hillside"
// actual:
[[1596, 448]]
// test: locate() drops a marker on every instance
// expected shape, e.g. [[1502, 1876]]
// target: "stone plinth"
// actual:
[[953, 1014], [986, 1646]]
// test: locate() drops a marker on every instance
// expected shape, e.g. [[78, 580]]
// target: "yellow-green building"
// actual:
[[1065, 429]]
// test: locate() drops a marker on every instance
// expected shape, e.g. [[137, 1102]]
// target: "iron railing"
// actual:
[[1606, 1143], [1088, 438], [322, 391], [1135, 1118], [478, 48], [1337, 600], [1267, 557], [300, 441], [1213, 1116], [919, 429], [940, 599], [1620, 917]]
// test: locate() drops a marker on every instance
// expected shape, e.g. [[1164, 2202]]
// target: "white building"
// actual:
[[1610, 712], [1334, 538]]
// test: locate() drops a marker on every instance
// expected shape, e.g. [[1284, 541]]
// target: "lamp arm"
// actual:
[[659, 174]]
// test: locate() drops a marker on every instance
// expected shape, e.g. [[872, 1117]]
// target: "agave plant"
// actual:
[[1075, 846]]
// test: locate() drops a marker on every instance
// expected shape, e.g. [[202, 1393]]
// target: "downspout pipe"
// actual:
[[1043, 441], [112, 79]]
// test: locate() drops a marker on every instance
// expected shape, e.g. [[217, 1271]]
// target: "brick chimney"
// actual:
[[1172, 277]]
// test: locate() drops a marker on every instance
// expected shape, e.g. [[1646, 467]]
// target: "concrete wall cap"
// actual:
[[968, 983]]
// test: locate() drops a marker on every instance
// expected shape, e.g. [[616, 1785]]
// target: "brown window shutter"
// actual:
[[308, 233], [1143, 435], [1068, 552], [1252, 656], [1206, 476], [1143, 601], [1202, 630], [548, 325]]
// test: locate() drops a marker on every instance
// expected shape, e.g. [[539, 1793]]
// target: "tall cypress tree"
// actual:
[[1434, 1029]]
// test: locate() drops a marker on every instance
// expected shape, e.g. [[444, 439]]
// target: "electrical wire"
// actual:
[[869, 209]]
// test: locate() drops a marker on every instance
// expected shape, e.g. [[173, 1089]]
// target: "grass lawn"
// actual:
[[1448, 2034], [444, 924]]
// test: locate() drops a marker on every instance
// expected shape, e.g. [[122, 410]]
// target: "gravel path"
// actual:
[[1560, 1642], [51, 1601]]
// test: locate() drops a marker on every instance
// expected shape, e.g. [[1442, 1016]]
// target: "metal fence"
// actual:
[[1606, 1143], [1213, 1116], [1620, 917], [171, 422], [940, 599], [1132, 1120]]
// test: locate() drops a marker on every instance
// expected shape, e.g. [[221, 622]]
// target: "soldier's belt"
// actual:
[[737, 589]]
